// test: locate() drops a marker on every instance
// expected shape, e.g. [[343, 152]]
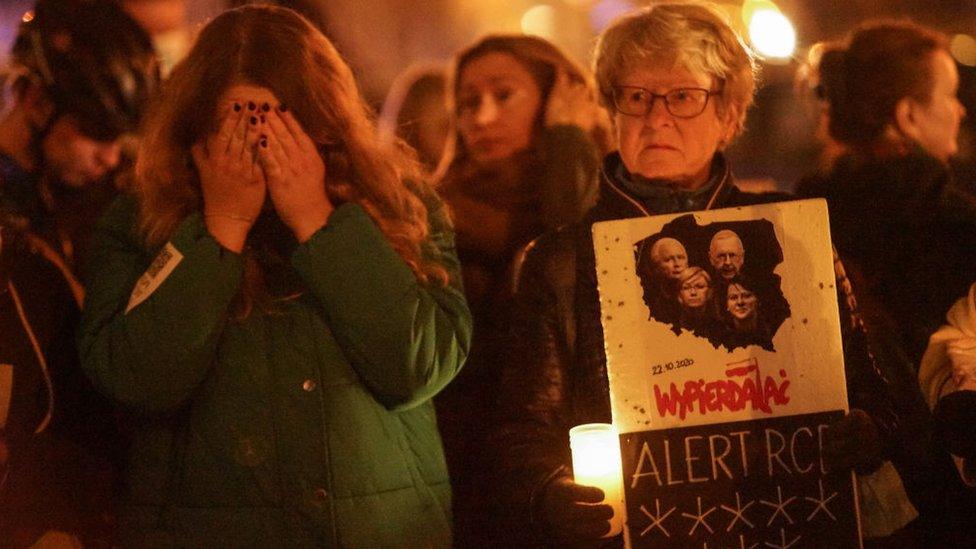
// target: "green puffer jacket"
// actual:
[[313, 427]]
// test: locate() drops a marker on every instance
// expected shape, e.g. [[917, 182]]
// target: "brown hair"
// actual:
[[541, 58], [278, 49], [744, 282], [418, 93], [883, 63], [694, 35]]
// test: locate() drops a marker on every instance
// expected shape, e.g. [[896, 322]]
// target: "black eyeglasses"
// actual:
[[680, 102]]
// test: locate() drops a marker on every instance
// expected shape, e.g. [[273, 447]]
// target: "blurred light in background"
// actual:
[[815, 53], [963, 48], [579, 3], [12, 13], [750, 7], [604, 12], [540, 20], [771, 33]]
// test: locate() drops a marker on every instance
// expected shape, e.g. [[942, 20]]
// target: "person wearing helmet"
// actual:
[[82, 72]]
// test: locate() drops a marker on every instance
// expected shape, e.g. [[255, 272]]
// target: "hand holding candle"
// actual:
[[574, 513], [596, 462]]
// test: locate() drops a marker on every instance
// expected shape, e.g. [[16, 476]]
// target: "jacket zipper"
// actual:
[[643, 210]]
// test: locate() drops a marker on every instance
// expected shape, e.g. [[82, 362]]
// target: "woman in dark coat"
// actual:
[[526, 149], [898, 218], [678, 82], [901, 223]]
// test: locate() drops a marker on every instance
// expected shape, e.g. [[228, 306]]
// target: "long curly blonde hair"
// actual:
[[278, 49]]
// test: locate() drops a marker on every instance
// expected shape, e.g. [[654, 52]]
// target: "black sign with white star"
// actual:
[[750, 484]]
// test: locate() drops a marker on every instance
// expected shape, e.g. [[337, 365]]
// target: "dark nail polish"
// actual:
[[264, 143], [251, 106], [254, 120], [265, 107], [237, 107], [282, 107]]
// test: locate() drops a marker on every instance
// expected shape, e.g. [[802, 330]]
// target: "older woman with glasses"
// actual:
[[677, 82]]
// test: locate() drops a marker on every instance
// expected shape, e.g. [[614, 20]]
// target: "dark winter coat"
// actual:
[[496, 214], [59, 446], [905, 230], [557, 375]]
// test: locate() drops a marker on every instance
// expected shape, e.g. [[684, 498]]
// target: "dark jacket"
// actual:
[[496, 215], [557, 376], [905, 230], [59, 448], [309, 426]]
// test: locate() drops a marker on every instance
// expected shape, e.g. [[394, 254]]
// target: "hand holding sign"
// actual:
[[853, 443]]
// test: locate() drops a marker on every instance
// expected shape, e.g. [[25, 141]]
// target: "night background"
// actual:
[[381, 38]]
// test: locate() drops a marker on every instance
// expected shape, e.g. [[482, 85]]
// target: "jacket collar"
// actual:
[[619, 200]]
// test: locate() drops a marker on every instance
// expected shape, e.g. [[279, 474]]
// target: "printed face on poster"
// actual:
[[725, 368]]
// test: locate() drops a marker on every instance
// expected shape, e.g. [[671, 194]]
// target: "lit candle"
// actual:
[[596, 462]]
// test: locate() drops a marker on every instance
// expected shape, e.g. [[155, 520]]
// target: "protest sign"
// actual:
[[725, 367]]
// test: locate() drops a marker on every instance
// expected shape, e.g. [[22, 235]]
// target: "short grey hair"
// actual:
[[694, 35]]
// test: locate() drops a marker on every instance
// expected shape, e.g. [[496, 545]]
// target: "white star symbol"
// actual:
[[738, 513], [821, 503], [780, 506], [657, 519], [783, 544], [742, 543], [700, 518]]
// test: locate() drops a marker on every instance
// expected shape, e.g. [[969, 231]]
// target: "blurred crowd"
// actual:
[[240, 308]]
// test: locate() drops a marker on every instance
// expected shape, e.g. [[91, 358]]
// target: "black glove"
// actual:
[[573, 513], [955, 421], [853, 442]]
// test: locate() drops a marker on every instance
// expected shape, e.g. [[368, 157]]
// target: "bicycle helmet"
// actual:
[[92, 59]]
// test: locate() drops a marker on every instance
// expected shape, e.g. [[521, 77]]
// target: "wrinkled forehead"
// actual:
[[671, 67]]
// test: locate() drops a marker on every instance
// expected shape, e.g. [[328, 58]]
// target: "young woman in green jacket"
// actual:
[[275, 307]]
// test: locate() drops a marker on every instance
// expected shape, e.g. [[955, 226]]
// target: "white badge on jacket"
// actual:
[[161, 267]]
